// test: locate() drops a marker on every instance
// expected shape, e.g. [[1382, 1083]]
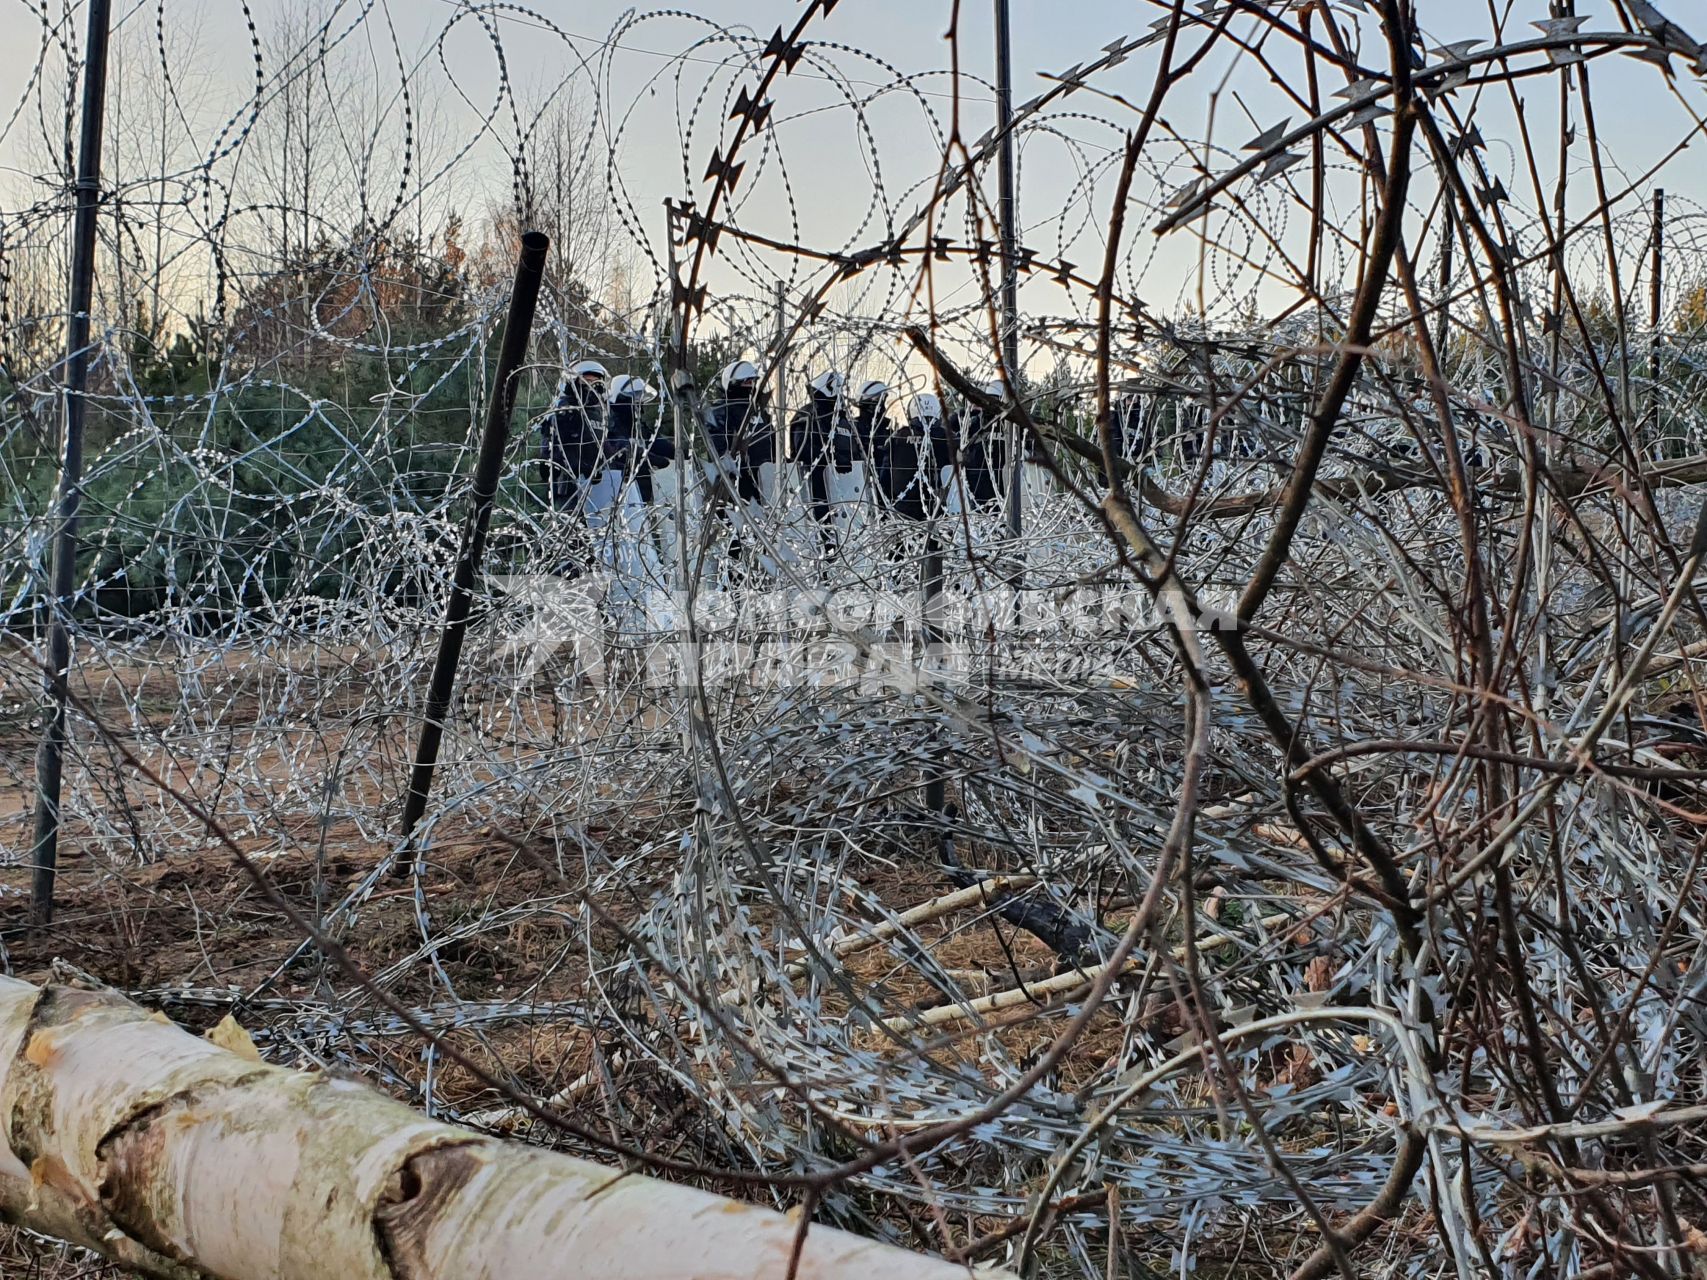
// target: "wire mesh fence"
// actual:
[[1295, 827]]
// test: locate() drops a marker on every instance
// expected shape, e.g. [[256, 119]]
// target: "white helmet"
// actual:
[[740, 371], [996, 390], [828, 384], [873, 390], [631, 387], [589, 368], [926, 408]]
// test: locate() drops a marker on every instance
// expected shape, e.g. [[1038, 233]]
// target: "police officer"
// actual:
[[1189, 430], [632, 449], [742, 436], [871, 421], [1129, 430], [572, 438], [856, 457], [743, 440], [815, 431], [982, 453], [609, 506], [911, 459], [645, 447]]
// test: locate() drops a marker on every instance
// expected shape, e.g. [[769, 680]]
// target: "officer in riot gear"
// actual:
[[741, 433], [632, 448], [572, 438], [814, 432], [855, 478], [871, 420], [743, 441], [982, 452], [1129, 429], [641, 442], [911, 460]]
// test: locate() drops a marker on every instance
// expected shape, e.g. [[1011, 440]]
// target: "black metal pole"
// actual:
[[930, 595], [1007, 212], [50, 756], [1656, 287], [494, 438], [779, 371], [1442, 329]]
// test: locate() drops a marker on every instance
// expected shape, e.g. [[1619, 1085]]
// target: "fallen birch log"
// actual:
[[1031, 993], [181, 1159]]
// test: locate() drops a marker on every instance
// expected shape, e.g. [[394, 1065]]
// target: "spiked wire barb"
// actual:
[[1286, 844]]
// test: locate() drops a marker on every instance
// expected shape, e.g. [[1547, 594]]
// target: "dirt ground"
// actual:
[[196, 937], [189, 931]]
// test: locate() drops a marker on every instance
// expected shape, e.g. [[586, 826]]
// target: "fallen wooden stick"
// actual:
[[979, 894], [507, 1118], [1030, 993], [972, 895], [1037, 992]]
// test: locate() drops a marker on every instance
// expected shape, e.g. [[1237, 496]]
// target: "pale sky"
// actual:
[[825, 192]]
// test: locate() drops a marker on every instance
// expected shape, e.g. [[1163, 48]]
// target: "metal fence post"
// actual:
[[494, 438], [1008, 216], [50, 756], [1656, 297]]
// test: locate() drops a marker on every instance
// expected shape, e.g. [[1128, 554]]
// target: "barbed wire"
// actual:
[[1302, 809]]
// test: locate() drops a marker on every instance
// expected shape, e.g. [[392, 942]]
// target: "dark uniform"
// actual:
[[572, 439], [983, 457], [815, 430], [742, 439], [1129, 430], [741, 434], [642, 444], [911, 459], [870, 426]]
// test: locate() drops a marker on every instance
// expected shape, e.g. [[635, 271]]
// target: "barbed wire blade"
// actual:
[[1268, 137], [1278, 164]]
